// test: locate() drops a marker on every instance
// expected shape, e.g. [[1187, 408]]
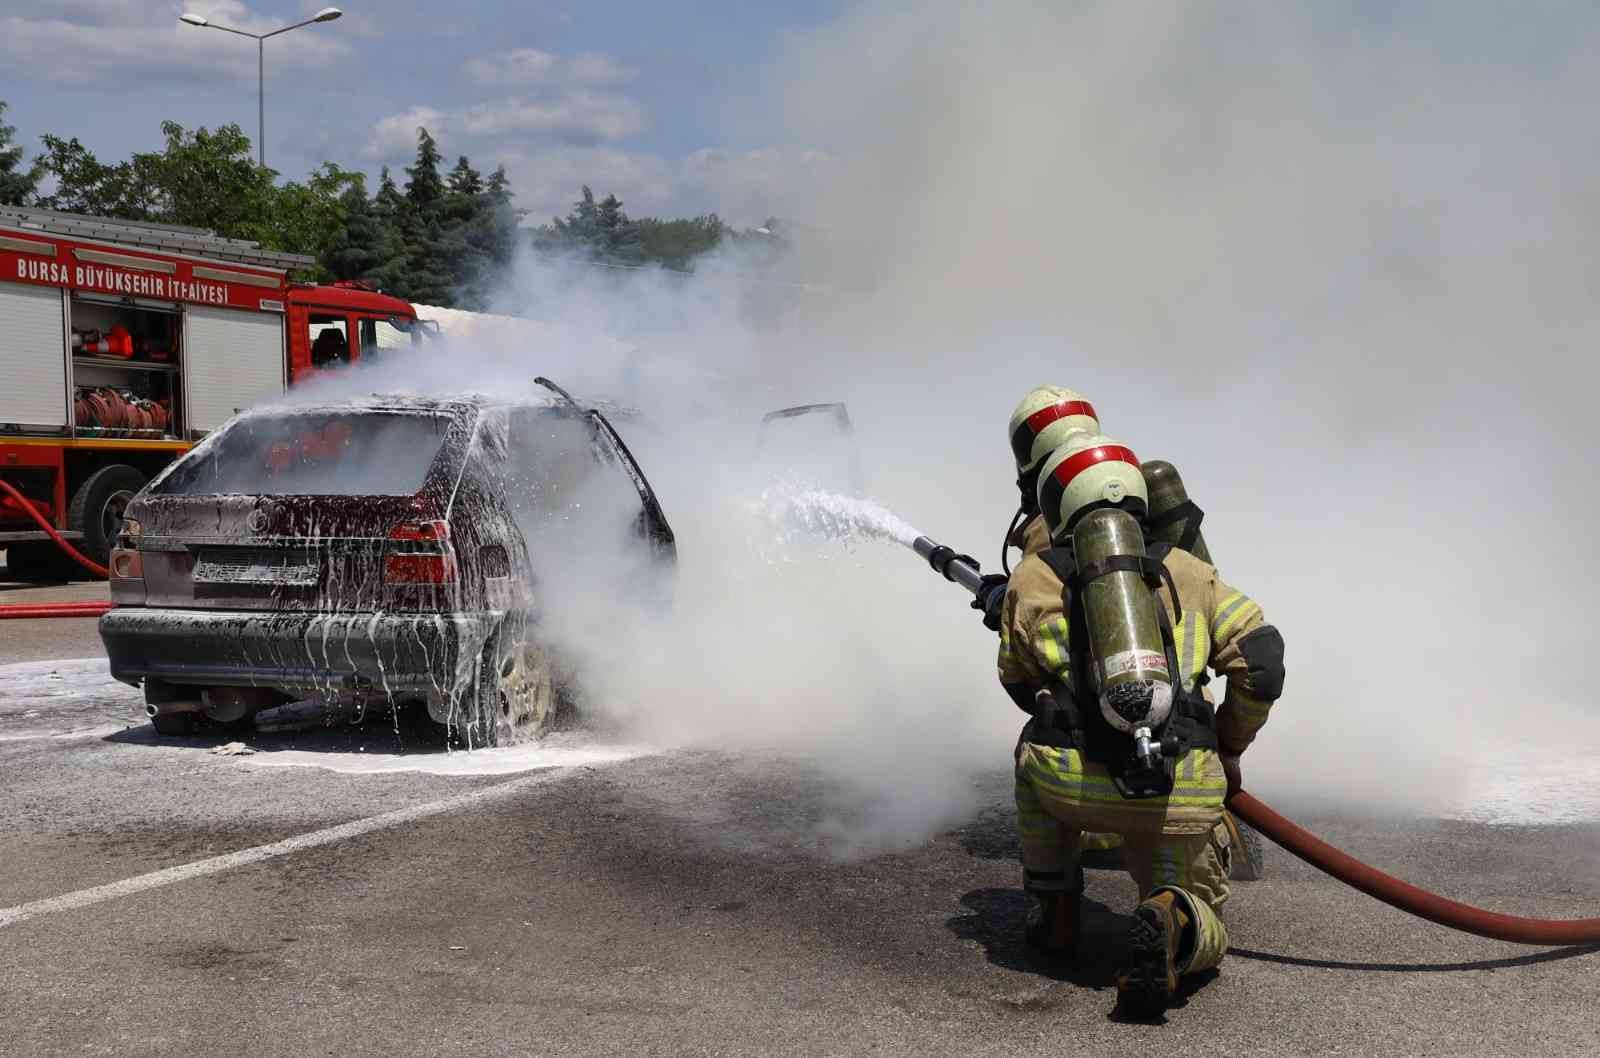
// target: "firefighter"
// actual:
[[1041, 423], [1072, 761]]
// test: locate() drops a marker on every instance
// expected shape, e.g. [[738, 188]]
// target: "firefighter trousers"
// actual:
[[1176, 843]]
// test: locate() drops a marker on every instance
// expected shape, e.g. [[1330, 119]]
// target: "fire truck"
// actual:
[[123, 343]]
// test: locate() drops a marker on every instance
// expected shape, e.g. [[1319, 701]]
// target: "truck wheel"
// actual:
[[98, 506]]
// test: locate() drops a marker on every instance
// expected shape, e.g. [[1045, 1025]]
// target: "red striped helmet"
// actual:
[[1043, 422], [1088, 472]]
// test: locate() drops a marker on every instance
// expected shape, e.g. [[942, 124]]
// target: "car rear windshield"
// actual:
[[359, 453]]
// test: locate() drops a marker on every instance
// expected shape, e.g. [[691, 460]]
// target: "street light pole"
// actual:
[[327, 14]]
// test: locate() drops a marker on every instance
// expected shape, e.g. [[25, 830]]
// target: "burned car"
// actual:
[[371, 552]]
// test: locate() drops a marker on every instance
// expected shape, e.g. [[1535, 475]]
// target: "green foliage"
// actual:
[[202, 179], [441, 238], [676, 243], [425, 188], [17, 185]]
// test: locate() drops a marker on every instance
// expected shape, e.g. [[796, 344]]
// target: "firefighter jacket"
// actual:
[[1033, 537], [1221, 629]]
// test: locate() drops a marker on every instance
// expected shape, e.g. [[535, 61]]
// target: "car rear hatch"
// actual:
[[321, 510]]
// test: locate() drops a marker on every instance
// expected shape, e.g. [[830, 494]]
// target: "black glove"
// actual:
[[991, 594], [1230, 768]]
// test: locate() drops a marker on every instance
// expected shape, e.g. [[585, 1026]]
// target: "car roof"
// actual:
[[450, 405]]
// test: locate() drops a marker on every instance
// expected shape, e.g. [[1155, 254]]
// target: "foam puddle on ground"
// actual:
[[1526, 784], [70, 698], [1511, 783], [561, 750]]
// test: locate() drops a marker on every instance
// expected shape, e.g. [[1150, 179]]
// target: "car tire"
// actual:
[[173, 723], [98, 505], [523, 699]]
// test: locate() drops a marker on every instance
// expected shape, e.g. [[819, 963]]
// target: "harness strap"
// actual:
[[1152, 570], [1189, 513]]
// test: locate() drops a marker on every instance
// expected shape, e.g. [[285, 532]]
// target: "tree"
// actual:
[[676, 243], [464, 179], [425, 188], [601, 231], [17, 185], [85, 185], [210, 180]]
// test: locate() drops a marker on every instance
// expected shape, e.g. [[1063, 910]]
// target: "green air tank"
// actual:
[[1166, 491], [1130, 660]]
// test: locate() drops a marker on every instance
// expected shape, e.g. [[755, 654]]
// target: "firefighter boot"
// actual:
[[1159, 933], [1055, 935]]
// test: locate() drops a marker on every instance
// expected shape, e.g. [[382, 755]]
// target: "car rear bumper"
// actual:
[[423, 655]]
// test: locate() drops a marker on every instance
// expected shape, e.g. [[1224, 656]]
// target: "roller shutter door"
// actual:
[[235, 361], [33, 356]]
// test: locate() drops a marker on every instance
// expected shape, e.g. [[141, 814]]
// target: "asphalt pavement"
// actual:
[[676, 903]]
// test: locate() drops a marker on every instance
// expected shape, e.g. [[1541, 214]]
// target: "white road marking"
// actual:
[[172, 875]]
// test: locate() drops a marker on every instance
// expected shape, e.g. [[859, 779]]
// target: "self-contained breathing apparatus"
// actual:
[[1127, 705]]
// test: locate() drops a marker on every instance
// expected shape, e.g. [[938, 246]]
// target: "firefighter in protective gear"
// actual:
[[1044, 420], [1175, 844], [1041, 423]]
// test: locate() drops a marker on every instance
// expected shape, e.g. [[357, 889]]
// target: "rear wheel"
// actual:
[[98, 507], [173, 723], [523, 700]]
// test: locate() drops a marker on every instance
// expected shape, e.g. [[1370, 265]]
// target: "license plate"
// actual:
[[291, 568]]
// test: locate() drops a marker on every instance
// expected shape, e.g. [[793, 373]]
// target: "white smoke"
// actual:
[[1339, 272]]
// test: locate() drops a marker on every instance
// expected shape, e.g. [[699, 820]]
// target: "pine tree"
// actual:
[[389, 210], [17, 185], [365, 243], [619, 238], [425, 188], [464, 179]]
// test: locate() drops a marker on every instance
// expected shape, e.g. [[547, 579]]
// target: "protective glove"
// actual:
[[990, 596], [1230, 768]]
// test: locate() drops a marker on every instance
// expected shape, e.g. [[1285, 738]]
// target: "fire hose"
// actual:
[[1341, 865], [63, 609]]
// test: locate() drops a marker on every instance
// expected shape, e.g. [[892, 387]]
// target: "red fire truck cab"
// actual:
[[123, 343]]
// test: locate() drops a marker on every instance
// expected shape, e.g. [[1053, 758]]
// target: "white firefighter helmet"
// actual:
[[1088, 472], [1043, 422]]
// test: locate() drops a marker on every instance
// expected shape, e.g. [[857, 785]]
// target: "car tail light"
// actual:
[[420, 553], [126, 564]]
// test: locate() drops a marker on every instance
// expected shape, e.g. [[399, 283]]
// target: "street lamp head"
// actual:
[[327, 14], [193, 20]]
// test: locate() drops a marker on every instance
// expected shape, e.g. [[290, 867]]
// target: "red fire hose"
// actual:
[[1406, 896], [87, 563], [61, 609], [28, 611]]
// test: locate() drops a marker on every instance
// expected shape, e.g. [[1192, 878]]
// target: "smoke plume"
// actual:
[[1336, 265]]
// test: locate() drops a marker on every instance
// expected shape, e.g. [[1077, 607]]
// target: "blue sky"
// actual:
[[666, 105]]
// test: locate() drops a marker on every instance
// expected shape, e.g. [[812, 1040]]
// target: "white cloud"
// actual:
[[526, 66], [547, 182], [125, 42], [396, 135], [581, 115], [574, 118], [742, 187]]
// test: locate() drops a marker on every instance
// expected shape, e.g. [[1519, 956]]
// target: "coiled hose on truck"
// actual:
[[19, 611]]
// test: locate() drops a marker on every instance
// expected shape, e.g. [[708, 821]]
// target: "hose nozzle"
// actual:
[[959, 569]]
